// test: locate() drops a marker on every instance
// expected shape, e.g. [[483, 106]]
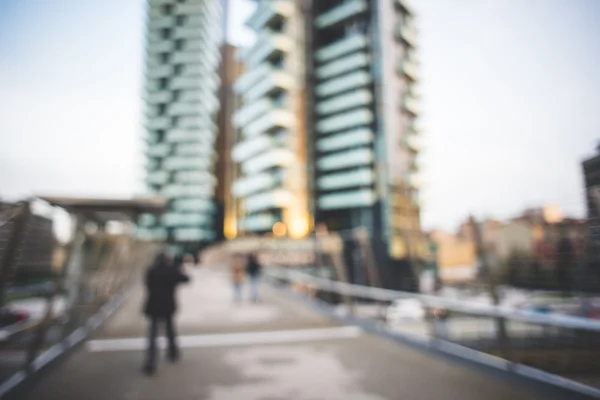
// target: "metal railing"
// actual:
[[66, 300], [556, 348]]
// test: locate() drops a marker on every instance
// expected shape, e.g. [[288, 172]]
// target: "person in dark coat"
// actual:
[[253, 269], [162, 278]]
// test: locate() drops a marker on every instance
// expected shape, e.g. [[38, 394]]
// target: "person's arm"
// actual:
[[181, 277]]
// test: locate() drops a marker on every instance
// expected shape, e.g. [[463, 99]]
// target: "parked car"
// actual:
[[10, 316], [405, 310]]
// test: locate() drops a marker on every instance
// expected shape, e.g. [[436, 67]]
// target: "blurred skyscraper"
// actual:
[[327, 126], [183, 51]]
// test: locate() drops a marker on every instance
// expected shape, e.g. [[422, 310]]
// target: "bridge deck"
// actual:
[[273, 350]]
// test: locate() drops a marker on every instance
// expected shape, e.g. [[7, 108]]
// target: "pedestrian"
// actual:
[[237, 277], [162, 278], [253, 269]]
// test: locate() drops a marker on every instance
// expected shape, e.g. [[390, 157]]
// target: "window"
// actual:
[[160, 135], [164, 58], [162, 108], [178, 70], [165, 33], [167, 9], [174, 121], [181, 20], [176, 94], [179, 44]]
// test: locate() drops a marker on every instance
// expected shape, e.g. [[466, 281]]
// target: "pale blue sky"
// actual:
[[510, 103]]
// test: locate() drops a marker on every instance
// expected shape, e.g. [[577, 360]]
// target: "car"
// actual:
[[405, 310], [10, 316]]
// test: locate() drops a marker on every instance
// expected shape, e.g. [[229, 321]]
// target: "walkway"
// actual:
[[274, 350]]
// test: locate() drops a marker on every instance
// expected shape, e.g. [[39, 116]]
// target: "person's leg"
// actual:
[[237, 292], [173, 349], [150, 363], [254, 284]]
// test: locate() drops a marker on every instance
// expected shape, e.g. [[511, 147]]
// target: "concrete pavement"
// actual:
[[277, 349]]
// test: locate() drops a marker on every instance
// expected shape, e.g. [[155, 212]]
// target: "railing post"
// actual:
[[502, 337]]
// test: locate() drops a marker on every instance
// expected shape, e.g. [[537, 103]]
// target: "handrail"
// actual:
[[466, 307]]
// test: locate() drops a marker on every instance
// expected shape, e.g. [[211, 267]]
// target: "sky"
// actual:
[[510, 99]]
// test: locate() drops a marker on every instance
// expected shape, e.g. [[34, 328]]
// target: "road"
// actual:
[[278, 349]]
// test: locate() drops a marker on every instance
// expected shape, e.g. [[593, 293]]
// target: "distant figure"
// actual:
[[253, 269], [161, 280], [237, 277], [188, 261]]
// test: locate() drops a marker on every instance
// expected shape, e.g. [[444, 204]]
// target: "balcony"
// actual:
[[192, 205], [191, 8], [252, 76], [258, 223], [408, 68], [345, 64], [181, 190], [196, 177], [347, 9], [278, 198], [179, 135], [353, 80], [267, 45], [343, 46], [357, 177], [407, 33], [411, 142], [246, 149], [278, 80], [187, 163], [275, 119], [164, 46], [160, 71], [181, 82], [188, 32], [182, 57], [355, 137], [351, 158], [413, 181], [157, 123], [155, 23], [163, 96], [250, 112], [157, 177], [346, 101], [252, 184], [180, 219], [178, 109], [349, 199], [196, 70], [151, 234], [411, 104], [158, 150], [194, 122], [404, 6], [269, 12], [195, 150], [350, 119], [193, 234], [269, 159]]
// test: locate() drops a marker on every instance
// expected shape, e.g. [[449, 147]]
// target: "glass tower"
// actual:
[[183, 40]]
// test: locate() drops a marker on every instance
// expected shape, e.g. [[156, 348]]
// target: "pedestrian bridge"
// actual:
[[284, 347]]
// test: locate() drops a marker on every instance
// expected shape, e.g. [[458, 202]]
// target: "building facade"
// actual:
[[270, 152], [327, 126], [365, 126], [183, 48]]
